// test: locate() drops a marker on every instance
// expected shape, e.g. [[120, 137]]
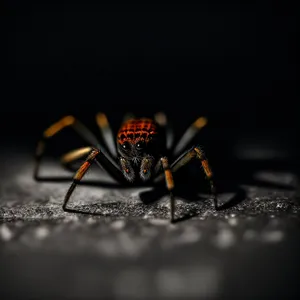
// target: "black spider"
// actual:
[[138, 154]]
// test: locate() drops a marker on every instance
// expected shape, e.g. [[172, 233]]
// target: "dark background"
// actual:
[[231, 61]]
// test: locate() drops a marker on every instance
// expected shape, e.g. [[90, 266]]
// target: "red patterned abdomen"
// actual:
[[136, 130]]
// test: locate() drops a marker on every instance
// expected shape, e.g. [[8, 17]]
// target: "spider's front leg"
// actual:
[[78, 176], [170, 184], [208, 172], [98, 156], [186, 157]]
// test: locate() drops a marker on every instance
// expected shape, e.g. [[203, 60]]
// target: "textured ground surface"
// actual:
[[130, 250]]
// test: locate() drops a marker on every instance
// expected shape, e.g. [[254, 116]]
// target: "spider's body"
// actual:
[[139, 153], [139, 143]]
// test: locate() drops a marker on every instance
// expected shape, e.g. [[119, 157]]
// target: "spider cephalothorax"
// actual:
[[139, 144], [140, 152]]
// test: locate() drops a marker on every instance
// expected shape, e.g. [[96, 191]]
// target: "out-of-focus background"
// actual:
[[231, 61]]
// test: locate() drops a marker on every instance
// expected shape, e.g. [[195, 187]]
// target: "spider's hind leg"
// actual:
[[189, 134], [69, 158], [107, 133], [162, 120], [54, 129]]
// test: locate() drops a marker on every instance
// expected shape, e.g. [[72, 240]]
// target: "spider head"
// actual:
[[137, 159], [135, 150]]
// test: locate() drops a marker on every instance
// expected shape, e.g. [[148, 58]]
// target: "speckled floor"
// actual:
[[130, 250]]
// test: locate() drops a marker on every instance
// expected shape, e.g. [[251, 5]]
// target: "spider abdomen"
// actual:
[[136, 130]]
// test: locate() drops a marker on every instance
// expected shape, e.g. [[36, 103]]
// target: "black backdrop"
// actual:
[[231, 61]]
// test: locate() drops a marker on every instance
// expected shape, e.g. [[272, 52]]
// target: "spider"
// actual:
[[139, 154]]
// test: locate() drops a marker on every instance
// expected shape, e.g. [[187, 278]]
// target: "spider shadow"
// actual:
[[189, 193], [242, 174]]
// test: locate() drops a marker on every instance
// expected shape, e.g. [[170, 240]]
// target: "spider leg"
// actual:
[[107, 133], [128, 116], [68, 158], [162, 120], [170, 184], [95, 155], [68, 121], [189, 134], [103, 161], [186, 157], [78, 176]]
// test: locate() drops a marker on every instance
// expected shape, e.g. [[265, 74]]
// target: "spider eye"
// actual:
[[139, 145], [125, 146]]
